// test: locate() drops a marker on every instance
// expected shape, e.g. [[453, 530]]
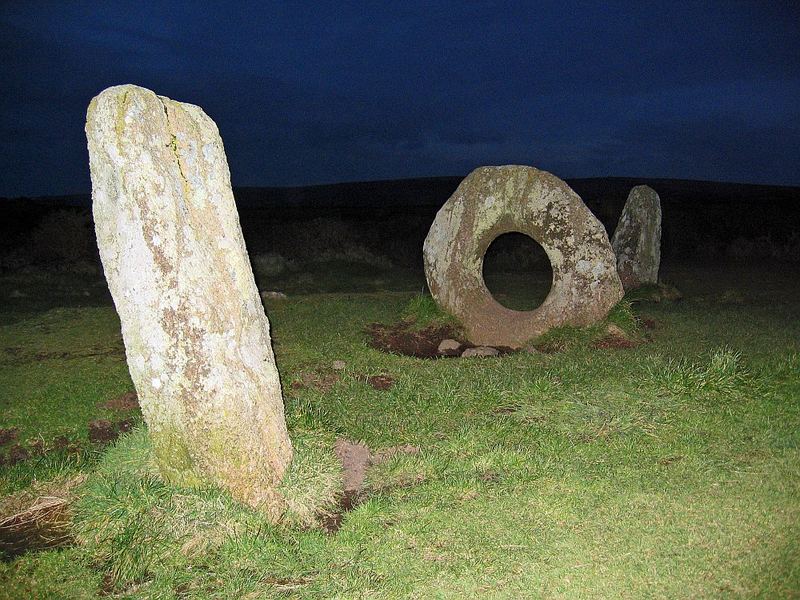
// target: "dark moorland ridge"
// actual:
[[697, 215]]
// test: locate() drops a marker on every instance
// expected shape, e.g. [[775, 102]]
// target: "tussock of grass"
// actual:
[[567, 337], [622, 315], [313, 482], [306, 412], [423, 311], [724, 377], [138, 529], [660, 292], [37, 517], [55, 465]]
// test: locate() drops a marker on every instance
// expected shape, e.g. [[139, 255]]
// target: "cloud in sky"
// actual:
[[317, 92]]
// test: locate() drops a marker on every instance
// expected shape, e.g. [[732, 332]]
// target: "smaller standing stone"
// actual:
[[637, 240], [480, 351], [448, 347], [338, 365]]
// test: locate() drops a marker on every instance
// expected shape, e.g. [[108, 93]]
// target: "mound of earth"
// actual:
[[400, 338]]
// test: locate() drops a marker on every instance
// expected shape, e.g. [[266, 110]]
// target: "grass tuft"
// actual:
[[423, 311], [568, 337], [724, 376], [313, 483], [137, 529], [622, 316]]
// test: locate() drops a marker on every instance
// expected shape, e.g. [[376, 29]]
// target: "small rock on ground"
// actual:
[[272, 295], [480, 351], [616, 331], [338, 365], [449, 347]]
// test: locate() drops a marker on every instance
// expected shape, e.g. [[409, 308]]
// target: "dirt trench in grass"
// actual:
[[356, 459]]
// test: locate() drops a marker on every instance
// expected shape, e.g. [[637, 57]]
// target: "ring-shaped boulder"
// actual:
[[492, 201]]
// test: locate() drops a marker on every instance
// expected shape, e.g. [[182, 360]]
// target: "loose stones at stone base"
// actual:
[[637, 239], [196, 336], [448, 347], [480, 351], [492, 201]]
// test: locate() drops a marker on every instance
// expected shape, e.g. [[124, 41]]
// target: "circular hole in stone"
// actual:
[[517, 271]]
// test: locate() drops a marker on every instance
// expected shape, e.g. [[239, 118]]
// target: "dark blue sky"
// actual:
[[319, 92]]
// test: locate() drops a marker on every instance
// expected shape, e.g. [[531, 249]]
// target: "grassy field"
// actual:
[[671, 469]]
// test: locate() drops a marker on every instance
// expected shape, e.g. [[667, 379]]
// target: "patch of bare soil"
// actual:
[[356, 458], [125, 425], [16, 454], [65, 444], [321, 381], [21, 452], [102, 431], [125, 402], [380, 382], [614, 342], [399, 338], [647, 323], [8, 435], [550, 347], [616, 339], [489, 476], [504, 410]]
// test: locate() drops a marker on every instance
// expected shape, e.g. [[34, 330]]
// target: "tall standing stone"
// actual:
[[637, 239], [196, 336]]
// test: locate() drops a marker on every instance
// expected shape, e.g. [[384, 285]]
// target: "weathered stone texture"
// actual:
[[196, 336], [492, 201], [637, 239]]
